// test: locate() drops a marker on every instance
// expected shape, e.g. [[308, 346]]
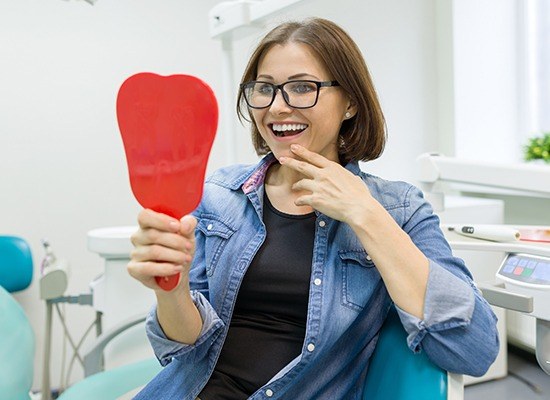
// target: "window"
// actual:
[[535, 57]]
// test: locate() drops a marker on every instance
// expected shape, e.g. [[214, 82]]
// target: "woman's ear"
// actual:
[[351, 110]]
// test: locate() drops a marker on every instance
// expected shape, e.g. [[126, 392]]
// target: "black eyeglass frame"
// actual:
[[319, 85]]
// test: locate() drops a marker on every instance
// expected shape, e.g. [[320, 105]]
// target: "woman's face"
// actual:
[[314, 128]]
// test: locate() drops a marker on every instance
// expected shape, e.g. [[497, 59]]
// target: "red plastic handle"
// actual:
[[168, 282]]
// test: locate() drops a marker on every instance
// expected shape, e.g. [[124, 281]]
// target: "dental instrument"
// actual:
[[487, 232]]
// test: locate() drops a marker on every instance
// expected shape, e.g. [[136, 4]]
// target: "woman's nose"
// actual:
[[279, 104]]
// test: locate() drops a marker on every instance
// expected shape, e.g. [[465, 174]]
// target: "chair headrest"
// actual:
[[16, 265]]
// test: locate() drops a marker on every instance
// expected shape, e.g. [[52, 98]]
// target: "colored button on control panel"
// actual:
[[508, 269], [512, 260], [523, 262]]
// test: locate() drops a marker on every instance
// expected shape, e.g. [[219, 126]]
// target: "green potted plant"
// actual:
[[538, 148]]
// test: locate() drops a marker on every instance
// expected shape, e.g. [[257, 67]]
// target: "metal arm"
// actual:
[[94, 357]]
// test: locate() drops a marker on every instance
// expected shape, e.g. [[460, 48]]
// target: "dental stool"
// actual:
[[16, 334]]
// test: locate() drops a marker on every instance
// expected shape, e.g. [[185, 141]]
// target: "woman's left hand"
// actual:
[[334, 191]]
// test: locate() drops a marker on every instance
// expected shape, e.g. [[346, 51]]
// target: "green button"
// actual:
[[527, 272]]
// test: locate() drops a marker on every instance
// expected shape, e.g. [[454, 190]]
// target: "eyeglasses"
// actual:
[[297, 94]]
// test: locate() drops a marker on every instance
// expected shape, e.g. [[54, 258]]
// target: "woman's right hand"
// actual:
[[163, 246]]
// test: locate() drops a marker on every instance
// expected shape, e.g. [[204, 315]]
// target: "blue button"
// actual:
[[512, 260], [508, 268], [542, 272], [522, 262]]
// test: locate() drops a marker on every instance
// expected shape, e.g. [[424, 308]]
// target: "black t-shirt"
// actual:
[[268, 326]]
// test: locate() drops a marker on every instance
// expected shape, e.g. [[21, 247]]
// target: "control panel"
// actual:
[[526, 268]]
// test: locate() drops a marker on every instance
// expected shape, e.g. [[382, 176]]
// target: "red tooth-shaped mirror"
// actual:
[[168, 125]]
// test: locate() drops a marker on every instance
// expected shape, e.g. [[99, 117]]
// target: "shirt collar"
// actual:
[[250, 182], [257, 177]]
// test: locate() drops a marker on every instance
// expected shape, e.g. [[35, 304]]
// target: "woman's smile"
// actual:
[[284, 130]]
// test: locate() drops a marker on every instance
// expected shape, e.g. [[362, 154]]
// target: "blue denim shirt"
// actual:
[[348, 301]]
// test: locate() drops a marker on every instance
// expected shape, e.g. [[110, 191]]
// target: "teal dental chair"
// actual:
[[16, 335], [395, 372], [17, 341]]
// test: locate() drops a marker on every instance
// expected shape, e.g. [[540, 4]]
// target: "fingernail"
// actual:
[[282, 159], [294, 147], [174, 225]]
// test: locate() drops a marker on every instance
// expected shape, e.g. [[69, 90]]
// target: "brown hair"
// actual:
[[364, 135]]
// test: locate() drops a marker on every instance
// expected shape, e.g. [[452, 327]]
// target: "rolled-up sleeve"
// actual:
[[166, 349], [458, 331], [449, 303]]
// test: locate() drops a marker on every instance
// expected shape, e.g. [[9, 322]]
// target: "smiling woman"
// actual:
[[347, 69], [291, 266]]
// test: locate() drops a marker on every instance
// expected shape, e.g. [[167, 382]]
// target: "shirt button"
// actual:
[[209, 227], [269, 392], [322, 224], [317, 282], [368, 258], [310, 347]]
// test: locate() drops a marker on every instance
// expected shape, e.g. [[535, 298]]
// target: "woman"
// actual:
[[289, 267]]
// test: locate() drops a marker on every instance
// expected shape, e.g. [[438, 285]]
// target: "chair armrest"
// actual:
[[455, 386]]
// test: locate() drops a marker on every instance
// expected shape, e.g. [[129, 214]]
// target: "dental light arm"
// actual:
[[228, 16], [516, 179]]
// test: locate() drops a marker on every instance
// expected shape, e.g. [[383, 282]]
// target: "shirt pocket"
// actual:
[[217, 233], [359, 278]]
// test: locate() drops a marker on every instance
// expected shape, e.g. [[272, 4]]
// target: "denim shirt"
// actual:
[[348, 301]]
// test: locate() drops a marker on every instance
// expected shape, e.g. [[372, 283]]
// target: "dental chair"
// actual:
[[16, 335], [396, 373], [17, 340]]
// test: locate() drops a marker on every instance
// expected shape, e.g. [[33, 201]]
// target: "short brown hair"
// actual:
[[364, 135]]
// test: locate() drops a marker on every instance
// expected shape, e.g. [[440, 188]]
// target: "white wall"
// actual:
[[62, 62]]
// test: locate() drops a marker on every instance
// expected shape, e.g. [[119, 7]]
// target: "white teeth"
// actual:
[[289, 127]]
